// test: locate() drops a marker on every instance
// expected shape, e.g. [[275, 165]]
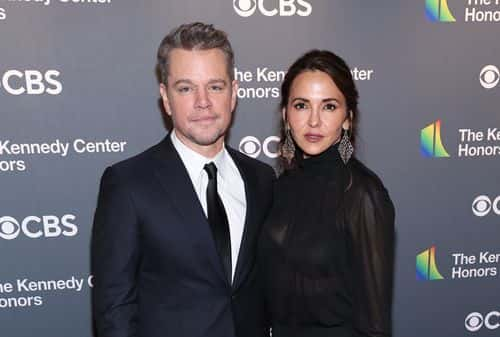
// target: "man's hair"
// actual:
[[194, 36]]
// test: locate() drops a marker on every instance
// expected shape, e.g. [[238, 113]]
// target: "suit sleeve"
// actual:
[[115, 258], [373, 263]]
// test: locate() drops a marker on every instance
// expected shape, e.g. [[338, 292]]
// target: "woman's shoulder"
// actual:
[[367, 192], [363, 177], [366, 185]]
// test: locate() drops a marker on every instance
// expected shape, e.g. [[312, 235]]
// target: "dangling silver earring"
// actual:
[[288, 148], [345, 147]]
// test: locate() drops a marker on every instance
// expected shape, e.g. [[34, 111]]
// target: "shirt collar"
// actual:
[[194, 162]]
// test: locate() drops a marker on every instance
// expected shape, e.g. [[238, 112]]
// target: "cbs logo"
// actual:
[[475, 321], [482, 205], [252, 146], [31, 82], [34, 227], [246, 8], [489, 76]]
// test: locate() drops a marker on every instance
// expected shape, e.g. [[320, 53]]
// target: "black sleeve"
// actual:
[[115, 258], [373, 263]]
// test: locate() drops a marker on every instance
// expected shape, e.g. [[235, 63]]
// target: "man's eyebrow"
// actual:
[[212, 81], [183, 80], [218, 80]]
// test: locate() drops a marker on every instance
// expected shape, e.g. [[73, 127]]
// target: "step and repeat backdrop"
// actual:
[[78, 92]]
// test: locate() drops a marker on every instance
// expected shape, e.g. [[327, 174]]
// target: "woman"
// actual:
[[328, 244]]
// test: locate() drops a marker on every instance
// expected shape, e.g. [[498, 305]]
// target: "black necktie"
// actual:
[[217, 218]]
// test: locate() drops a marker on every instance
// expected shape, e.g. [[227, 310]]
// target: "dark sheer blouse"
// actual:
[[327, 249]]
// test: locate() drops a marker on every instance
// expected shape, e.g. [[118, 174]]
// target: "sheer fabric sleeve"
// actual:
[[372, 262]]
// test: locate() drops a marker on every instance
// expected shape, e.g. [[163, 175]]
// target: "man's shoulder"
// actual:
[[138, 164], [137, 160]]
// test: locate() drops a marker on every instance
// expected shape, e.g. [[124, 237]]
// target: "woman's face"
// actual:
[[316, 112]]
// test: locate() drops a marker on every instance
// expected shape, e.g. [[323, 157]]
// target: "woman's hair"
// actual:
[[339, 72]]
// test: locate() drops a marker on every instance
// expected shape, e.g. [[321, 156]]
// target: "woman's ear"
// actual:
[[347, 122]]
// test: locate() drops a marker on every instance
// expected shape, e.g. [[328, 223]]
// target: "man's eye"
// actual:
[[216, 88], [183, 89]]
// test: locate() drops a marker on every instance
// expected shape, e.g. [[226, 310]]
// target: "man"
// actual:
[[176, 227]]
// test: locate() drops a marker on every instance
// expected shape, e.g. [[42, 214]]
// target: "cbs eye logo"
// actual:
[[9, 228], [475, 321], [245, 8], [489, 76], [252, 146], [482, 205]]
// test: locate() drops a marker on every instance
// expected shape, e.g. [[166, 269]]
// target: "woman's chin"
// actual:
[[311, 151]]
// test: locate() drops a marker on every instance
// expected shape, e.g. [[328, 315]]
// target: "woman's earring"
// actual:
[[345, 147], [288, 148]]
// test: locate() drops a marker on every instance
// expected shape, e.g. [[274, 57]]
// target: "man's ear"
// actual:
[[164, 98], [234, 98]]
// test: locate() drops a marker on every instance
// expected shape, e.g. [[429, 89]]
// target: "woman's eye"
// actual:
[[330, 107], [299, 106]]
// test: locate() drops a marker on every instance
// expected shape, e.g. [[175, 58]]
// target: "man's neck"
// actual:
[[207, 151]]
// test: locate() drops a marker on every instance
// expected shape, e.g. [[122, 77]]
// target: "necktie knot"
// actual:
[[211, 170]]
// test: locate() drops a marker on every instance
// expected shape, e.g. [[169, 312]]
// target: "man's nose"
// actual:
[[202, 99]]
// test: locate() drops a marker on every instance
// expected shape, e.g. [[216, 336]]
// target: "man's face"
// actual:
[[199, 97]]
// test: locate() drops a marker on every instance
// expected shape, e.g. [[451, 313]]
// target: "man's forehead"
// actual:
[[220, 81], [206, 64], [197, 55]]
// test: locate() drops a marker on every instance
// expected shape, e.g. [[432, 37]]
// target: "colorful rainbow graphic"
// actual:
[[426, 266], [438, 11], [431, 144]]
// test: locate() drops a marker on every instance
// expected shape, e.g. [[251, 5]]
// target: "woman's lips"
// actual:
[[313, 137]]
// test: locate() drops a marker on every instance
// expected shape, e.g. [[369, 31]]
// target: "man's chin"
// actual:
[[204, 140]]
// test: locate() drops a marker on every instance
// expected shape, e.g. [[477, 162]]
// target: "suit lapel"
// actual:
[[177, 184], [250, 229]]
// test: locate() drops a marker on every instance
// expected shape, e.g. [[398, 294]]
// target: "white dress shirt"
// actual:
[[230, 187]]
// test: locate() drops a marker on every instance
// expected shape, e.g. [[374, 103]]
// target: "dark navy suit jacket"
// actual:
[[155, 266]]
